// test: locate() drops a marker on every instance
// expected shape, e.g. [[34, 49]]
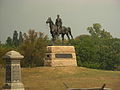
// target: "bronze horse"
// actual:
[[62, 31]]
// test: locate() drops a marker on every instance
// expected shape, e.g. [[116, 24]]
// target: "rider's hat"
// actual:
[[58, 15]]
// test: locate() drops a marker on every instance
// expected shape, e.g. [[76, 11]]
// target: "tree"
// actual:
[[97, 31], [20, 37], [97, 50], [33, 48], [99, 53], [15, 39], [9, 41], [82, 37]]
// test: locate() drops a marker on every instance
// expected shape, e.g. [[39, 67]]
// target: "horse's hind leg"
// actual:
[[70, 32], [68, 37]]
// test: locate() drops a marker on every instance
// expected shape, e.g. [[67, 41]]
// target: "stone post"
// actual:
[[13, 71]]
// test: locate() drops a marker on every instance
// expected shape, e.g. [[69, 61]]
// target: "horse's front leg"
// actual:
[[62, 39], [53, 39]]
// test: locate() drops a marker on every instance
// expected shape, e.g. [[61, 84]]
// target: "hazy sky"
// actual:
[[22, 15]]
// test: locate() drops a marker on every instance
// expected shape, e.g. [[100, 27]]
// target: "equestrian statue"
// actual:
[[57, 29]]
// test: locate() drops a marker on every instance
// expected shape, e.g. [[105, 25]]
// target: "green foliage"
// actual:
[[96, 31], [97, 50], [15, 39], [33, 48], [31, 45], [9, 41], [100, 53], [20, 38], [3, 50]]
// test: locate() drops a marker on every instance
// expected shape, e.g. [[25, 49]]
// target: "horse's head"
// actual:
[[51, 24], [48, 20]]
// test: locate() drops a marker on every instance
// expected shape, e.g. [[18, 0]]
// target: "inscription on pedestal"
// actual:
[[16, 74], [63, 55]]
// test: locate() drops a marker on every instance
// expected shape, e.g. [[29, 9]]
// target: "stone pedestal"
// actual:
[[60, 56], [13, 71]]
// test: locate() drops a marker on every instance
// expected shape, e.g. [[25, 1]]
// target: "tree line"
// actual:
[[97, 50]]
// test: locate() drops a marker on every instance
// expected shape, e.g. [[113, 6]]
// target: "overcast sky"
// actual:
[[22, 15]]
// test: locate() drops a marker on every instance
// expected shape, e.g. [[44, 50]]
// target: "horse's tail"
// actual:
[[69, 30]]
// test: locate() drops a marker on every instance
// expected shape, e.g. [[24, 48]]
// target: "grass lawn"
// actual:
[[52, 78]]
